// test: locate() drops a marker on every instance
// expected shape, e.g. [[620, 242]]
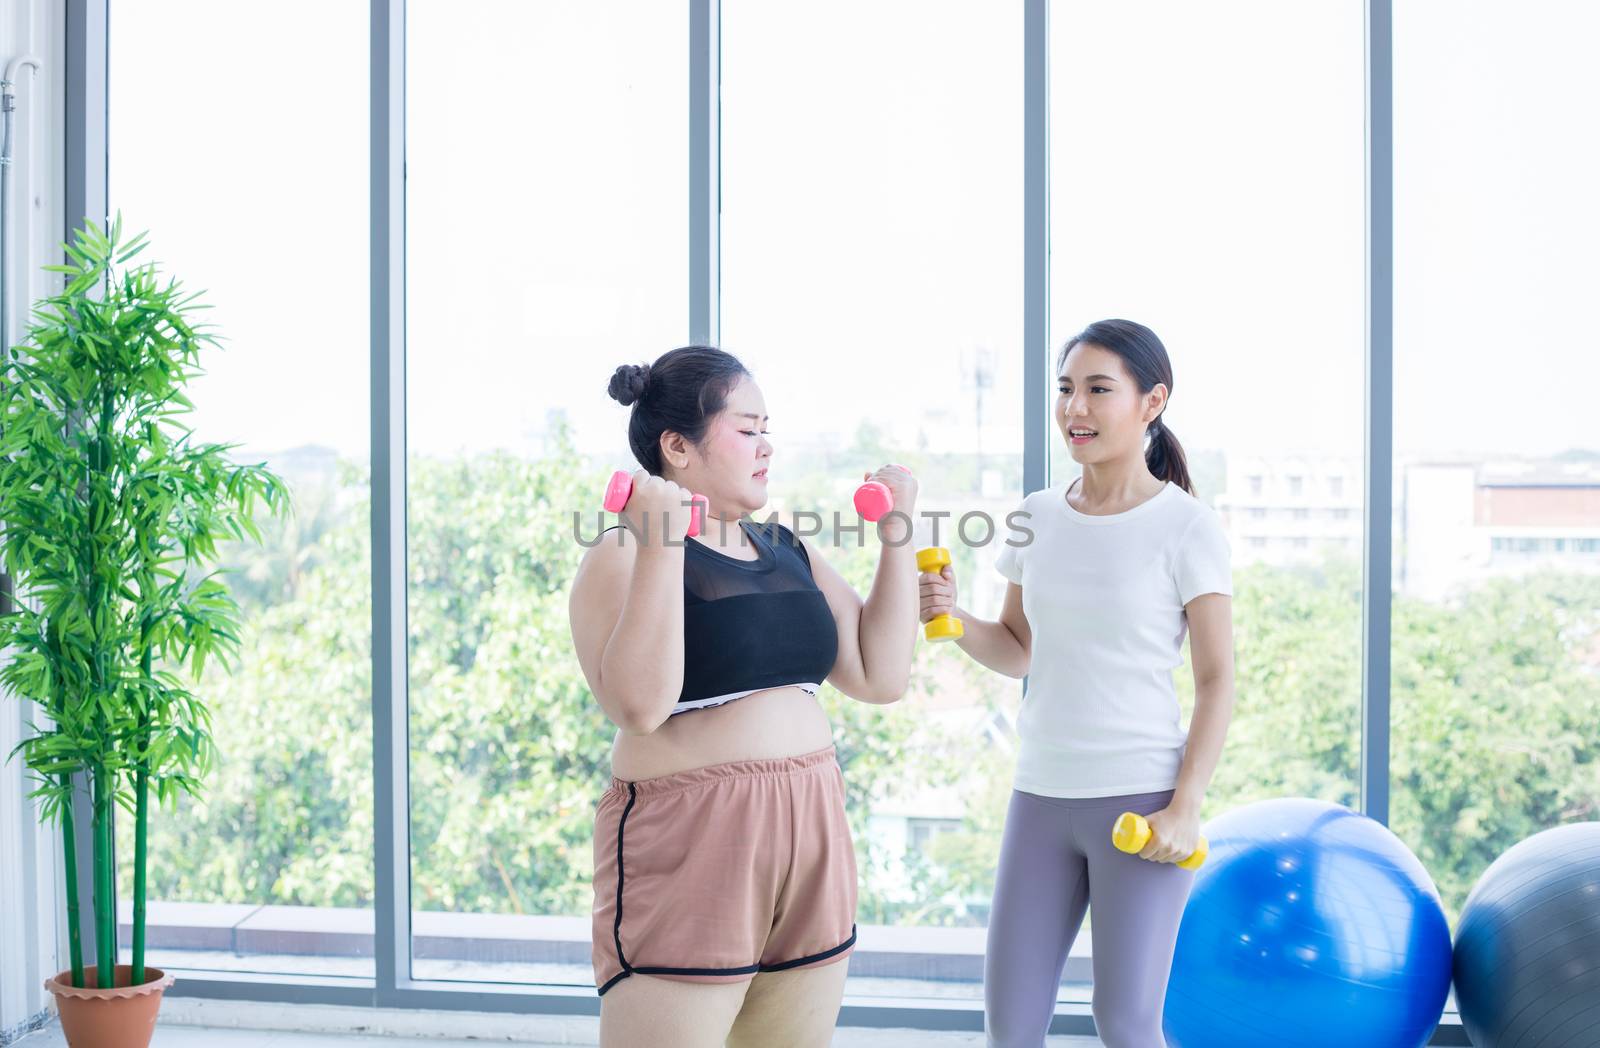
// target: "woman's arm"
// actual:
[[626, 610], [1211, 657], [1176, 829], [1005, 646], [876, 636]]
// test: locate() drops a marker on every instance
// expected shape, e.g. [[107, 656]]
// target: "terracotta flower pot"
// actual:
[[121, 1017]]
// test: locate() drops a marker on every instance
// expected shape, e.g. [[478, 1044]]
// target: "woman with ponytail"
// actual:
[[1122, 562]]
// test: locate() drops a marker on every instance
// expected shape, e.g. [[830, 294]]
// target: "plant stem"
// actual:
[[140, 851], [105, 896], [141, 796], [105, 902], [69, 848]]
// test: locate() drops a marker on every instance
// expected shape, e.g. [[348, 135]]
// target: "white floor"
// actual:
[[189, 1022], [212, 1037]]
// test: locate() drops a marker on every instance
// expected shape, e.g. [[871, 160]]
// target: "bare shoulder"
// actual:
[[610, 558]]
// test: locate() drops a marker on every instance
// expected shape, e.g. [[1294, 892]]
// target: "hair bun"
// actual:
[[628, 382]]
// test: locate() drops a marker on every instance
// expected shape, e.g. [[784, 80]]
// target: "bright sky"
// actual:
[[1207, 179]]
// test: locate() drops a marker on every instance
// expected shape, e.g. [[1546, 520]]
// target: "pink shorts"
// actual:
[[717, 873]]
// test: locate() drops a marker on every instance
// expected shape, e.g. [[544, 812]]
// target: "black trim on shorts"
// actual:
[[824, 955], [748, 969], [616, 927]]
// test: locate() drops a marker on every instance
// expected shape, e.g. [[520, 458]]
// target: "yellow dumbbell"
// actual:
[[1132, 833], [941, 627]]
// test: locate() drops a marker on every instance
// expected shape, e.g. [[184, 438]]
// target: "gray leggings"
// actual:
[[1057, 859]]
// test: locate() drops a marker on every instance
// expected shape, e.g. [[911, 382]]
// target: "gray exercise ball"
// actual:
[[1527, 953]]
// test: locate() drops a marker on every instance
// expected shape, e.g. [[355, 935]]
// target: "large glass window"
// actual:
[[546, 243], [872, 282], [252, 180], [1228, 219], [1496, 651], [1206, 180]]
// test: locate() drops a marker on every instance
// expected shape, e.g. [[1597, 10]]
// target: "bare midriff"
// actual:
[[778, 722]]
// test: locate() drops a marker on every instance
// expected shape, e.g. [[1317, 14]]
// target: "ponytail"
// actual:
[[1164, 457]]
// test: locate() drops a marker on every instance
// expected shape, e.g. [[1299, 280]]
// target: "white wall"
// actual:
[[31, 921]]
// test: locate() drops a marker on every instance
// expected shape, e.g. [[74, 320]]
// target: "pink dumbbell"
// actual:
[[873, 499], [621, 489]]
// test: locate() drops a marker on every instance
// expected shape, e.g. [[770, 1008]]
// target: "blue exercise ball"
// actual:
[[1309, 925], [1528, 945]]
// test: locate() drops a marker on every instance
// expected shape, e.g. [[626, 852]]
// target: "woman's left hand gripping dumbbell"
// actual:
[[1169, 835], [889, 487], [641, 497], [936, 583]]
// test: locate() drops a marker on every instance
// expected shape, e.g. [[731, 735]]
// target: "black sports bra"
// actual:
[[749, 625]]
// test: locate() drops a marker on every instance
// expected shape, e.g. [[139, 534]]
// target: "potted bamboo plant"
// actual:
[[111, 515]]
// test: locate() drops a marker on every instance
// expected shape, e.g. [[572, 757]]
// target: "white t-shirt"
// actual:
[[1104, 596]]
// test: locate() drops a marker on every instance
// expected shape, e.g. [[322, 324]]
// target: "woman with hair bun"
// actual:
[[725, 875]]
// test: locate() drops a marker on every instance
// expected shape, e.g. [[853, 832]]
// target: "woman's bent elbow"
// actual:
[[892, 691], [635, 717], [638, 725]]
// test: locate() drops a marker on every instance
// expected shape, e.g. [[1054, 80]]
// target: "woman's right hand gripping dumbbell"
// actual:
[[937, 596], [655, 507]]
